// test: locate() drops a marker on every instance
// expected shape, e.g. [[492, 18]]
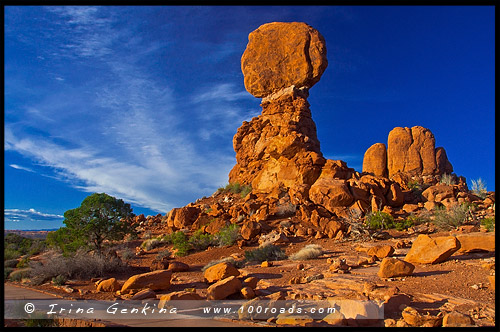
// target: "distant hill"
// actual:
[[32, 234]]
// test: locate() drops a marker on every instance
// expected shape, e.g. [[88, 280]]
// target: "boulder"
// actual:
[[281, 54], [375, 160], [156, 280], [108, 285], [250, 230], [442, 163], [184, 298], [427, 250], [144, 294], [380, 251], [183, 217], [220, 271], [456, 319], [476, 242], [393, 267], [223, 288], [176, 266], [414, 318], [330, 193]]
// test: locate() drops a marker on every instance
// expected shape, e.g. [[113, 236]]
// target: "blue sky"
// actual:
[[142, 102]]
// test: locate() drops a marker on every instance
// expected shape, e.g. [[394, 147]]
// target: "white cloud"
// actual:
[[22, 168], [31, 215]]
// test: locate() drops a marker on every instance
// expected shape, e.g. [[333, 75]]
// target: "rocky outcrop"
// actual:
[[410, 153]]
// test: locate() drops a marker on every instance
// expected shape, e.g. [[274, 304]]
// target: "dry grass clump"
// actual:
[[310, 251]]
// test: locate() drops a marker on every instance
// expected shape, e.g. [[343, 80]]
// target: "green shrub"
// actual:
[[488, 223], [479, 188], [269, 252], [228, 235], [23, 262], [404, 224], [416, 188], [450, 219], [236, 188], [59, 280], [310, 251], [180, 243], [10, 253], [201, 241], [40, 319], [379, 220]]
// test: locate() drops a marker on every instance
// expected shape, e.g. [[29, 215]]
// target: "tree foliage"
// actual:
[[100, 217]]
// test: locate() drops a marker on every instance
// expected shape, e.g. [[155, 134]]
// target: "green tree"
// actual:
[[100, 217]]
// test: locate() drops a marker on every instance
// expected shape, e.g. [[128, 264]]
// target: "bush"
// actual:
[[310, 251], [81, 265], [268, 252], [19, 275], [59, 280], [162, 255], [10, 263], [128, 254], [236, 188], [6, 272], [447, 179], [450, 219], [488, 223], [379, 220], [228, 235], [23, 262], [201, 241], [479, 188], [180, 243]]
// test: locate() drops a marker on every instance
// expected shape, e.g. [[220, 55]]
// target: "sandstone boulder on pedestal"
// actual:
[[427, 250], [282, 54]]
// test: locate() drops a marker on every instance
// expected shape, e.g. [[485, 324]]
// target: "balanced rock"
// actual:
[[427, 250], [279, 55]]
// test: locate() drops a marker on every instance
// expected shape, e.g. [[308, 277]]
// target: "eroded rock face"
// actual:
[[375, 160], [279, 55]]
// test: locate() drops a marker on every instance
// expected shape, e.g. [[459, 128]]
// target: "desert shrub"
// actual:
[[59, 280], [128, 254], [6, 272], [23, 262], [201, 241], [39, 319], [379, 220], [404, 224], [488, 223], [163, 254], [228, 235], [447, 179], [450, 219], [18, 275], [10, 263], [236, 188], [268, 252], [147, 235], [151, 244], [310, 251], [180, 242], [10, 253], [81, 265], [416, 188], [479, 188]]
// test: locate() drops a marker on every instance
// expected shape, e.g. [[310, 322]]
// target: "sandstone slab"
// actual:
[[427, 250], [156, 280]]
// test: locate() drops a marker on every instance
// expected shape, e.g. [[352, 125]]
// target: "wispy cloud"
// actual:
[[31, 215], [22, 168]]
